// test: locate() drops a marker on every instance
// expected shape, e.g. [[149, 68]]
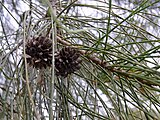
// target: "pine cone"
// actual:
[[67, 61], [39, 52]]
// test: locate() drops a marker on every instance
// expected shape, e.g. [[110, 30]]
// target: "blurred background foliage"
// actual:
[[119, 77]]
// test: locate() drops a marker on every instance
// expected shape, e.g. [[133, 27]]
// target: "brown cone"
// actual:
[[67, 61], [39, 52]]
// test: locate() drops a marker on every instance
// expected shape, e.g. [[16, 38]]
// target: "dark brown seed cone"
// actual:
[[39, 52], [67, 61]]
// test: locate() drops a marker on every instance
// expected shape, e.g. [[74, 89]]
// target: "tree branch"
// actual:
[[104, 65]]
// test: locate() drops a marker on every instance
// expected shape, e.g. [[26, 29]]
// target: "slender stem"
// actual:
[[26, 73], [52, 7]]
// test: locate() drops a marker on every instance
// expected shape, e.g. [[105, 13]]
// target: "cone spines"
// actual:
[[39, 51], [67, 61]]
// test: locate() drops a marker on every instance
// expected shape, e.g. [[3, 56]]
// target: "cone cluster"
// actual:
[[67, 61], [39, 52], [39, 55]]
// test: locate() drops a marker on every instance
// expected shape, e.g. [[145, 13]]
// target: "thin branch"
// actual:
[[104, 65]]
